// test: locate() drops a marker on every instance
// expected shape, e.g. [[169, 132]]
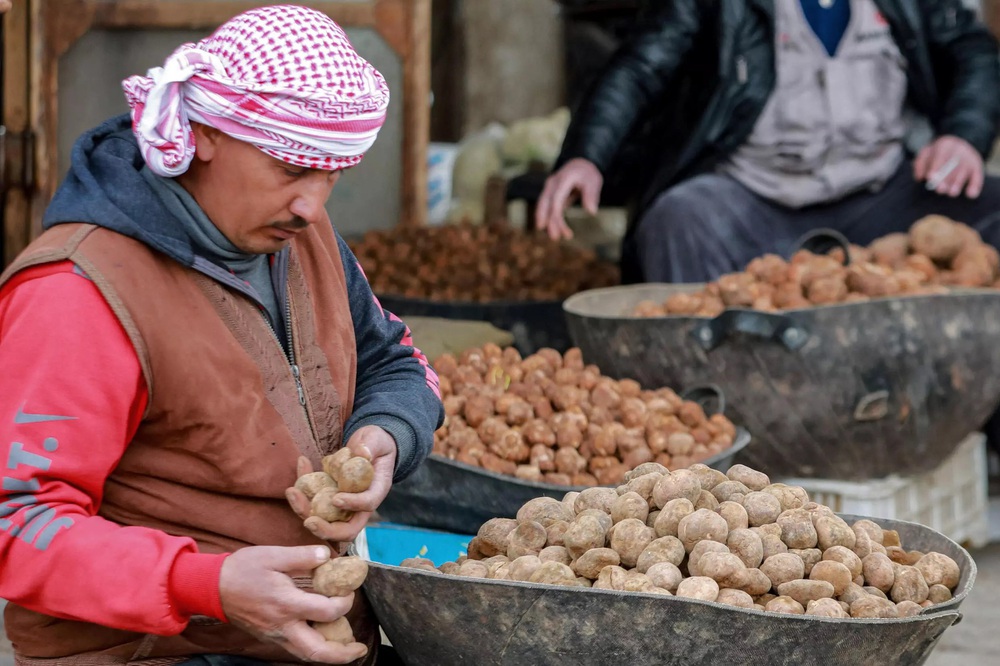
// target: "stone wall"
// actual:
[[513, 60]]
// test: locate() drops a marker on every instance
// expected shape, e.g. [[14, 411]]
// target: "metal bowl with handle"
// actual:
[[848, 391], [436, 620]]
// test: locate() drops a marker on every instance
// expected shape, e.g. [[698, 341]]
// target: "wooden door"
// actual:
[[16, 151], [64, 61]]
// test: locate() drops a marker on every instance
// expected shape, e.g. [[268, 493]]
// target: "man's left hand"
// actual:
[[967, 175], [369, 442]]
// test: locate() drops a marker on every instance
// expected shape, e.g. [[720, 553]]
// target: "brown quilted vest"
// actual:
[[224, 426]]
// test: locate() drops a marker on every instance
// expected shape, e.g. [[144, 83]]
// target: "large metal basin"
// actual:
[[438, 620], [447, 495], [851, 391]]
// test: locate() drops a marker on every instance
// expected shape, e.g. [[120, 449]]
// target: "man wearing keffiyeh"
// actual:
[[187, 336]]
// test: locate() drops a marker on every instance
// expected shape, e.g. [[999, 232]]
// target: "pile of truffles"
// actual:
[[734, 539], [936, 254], [552, 419], [481, 264]]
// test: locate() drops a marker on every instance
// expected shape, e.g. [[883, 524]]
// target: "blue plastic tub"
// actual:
[[391, 543]]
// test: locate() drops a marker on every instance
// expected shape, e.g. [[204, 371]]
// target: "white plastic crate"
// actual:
[[952, 499]]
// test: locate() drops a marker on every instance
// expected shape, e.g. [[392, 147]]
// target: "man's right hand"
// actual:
[[259, 596], [576, 176]]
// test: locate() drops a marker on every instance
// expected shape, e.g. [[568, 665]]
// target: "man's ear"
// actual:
[[206, 141]]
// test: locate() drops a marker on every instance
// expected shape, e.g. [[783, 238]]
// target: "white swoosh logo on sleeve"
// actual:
[[24, 417]]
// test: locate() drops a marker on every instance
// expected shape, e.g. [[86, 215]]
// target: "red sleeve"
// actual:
[[72, 394]]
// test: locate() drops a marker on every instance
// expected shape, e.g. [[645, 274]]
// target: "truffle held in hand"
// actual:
[[338, 577], [343, 472]]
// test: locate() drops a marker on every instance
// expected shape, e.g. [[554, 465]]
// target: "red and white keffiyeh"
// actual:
[[283, 78]]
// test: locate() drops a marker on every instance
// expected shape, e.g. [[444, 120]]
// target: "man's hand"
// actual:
[[369, 442], [259, 596], [5, 6], [938, 156], [576, 176]]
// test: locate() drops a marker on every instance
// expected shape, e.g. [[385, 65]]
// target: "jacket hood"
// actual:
[[105, 187]]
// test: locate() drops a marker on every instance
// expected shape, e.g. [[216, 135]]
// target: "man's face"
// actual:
[[257, 201]]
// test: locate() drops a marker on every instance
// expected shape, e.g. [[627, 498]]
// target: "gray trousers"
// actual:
[[711, 225]]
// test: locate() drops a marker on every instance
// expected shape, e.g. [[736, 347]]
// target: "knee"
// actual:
[[668, 218]]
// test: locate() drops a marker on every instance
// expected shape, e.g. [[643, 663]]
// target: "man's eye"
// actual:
[[294, 173]]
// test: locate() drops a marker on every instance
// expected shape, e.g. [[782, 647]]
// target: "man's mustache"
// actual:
[[295, 224]]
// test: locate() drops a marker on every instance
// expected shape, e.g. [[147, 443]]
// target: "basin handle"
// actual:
[[780, 328], [704, 395], [821, 241]]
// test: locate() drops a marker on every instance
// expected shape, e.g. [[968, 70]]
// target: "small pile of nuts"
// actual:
[[936, 254], [553, 419], [463, 262], [734, 539]]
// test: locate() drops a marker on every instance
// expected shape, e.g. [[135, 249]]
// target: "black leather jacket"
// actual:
[[686, 90]]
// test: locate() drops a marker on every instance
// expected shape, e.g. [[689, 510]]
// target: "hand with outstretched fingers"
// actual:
[[578, 176]]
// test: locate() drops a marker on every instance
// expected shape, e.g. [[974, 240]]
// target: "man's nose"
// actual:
[[310, 199]]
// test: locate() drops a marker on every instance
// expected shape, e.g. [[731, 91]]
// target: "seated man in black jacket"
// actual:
[[787, 115]]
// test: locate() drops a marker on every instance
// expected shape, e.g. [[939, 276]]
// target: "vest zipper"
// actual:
[[291, 356], [296, 371], [741, 70], [298, 385]]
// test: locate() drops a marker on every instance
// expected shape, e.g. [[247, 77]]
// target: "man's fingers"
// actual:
[[293, 558], [372, 443], [296, 498], [591, 197], [564, 230], [303, 467], [957, 180], [937, 163], [952, 184], [359, 447], [317, 608], [299, 503], [307, 644], [976, 180], [920, 164], [366, 501], [557, 215], [341, 532], [544, 206]]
